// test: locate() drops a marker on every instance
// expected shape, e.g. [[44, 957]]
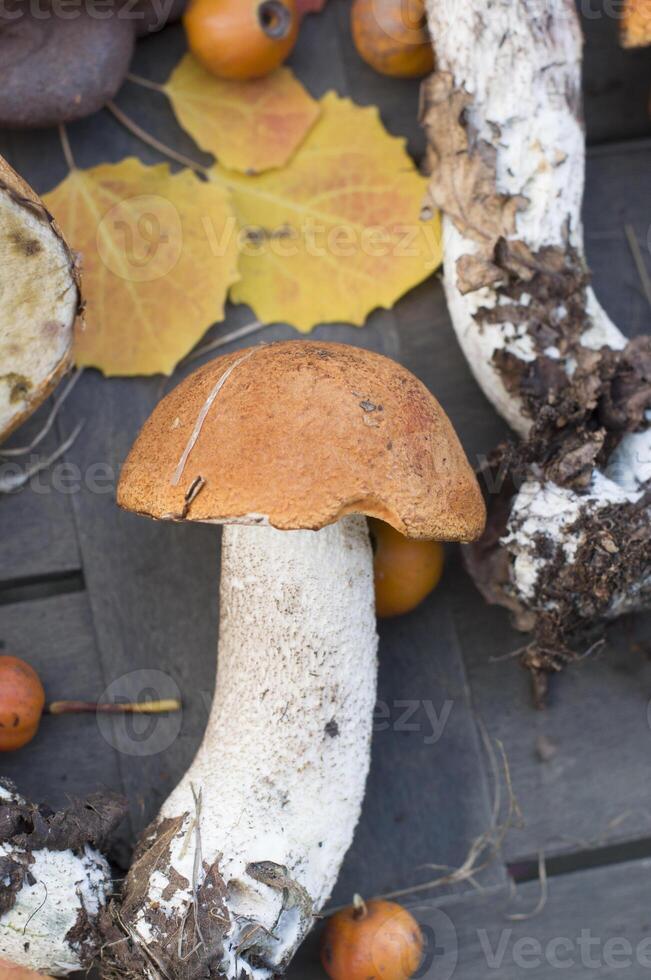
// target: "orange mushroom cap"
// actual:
[[298, 434]]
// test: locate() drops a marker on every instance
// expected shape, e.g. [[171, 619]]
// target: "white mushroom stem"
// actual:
[[52, 899], [251, 842], [503, 116]]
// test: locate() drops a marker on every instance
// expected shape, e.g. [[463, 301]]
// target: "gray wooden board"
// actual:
[[70, 756], [36, 531], [152, 589], [616, 82], [592, 924]]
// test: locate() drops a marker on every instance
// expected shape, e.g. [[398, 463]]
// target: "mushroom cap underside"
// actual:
[[297, 434], [39, 301]]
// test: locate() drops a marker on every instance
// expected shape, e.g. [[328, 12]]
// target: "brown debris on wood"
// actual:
[[185, 946]]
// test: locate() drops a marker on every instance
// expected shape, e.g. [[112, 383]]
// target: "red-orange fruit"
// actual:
[[376, 941], [406, 570], [392, 36], [241, 39], [22, 700]]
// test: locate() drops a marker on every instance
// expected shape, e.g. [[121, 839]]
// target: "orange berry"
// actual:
[[406, 570], [22, 700], [378, 940], [241, 39], [392, 37]]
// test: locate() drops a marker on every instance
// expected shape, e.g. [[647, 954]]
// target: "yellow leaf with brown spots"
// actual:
[[339, 231], [249, 126], [152, 280]]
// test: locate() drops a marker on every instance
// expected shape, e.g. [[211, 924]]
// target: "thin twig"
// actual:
[[228, 338], [162, 148], [203, 414], [485, 848], [165, 706], [36, 910], [508, 656], [542, 901], [67, 149], [638, 259], [197, 863], [23, 450], [145, 82], [12, 484]]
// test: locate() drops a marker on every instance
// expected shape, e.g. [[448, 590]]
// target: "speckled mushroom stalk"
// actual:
[[288, 445], [54, 881], [39, 301], [507, 154]]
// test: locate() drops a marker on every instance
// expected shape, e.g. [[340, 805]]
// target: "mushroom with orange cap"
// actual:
[[289, 446]]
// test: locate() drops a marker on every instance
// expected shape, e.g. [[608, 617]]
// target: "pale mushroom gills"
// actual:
[[39, 301], [289, 445]]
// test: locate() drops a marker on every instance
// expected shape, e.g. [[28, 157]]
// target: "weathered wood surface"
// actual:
[[70, 756], [586, 925], [35, 541], [143, 616]]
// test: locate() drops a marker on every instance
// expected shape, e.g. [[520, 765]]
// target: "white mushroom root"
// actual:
[[569, 544], [39, 301], [286, 445], [53, 881]]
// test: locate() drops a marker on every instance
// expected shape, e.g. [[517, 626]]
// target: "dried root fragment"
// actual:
[[569, 541]]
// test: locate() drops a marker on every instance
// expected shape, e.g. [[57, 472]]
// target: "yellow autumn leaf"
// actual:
[[249, 126], [152, 281], [338, 232]]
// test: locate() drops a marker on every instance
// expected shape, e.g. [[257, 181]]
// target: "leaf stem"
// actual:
[[636, 252], [360, 910], [65, 146], [228, 338], [89, 707], [145, 83], [150, 140]]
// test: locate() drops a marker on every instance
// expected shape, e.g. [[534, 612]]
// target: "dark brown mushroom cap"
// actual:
[[298, 434]]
